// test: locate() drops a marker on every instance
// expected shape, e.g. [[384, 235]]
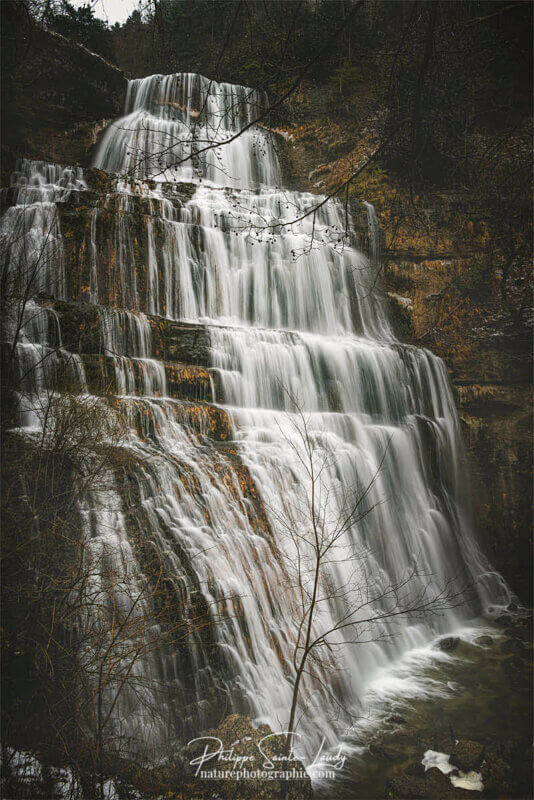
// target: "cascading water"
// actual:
[[30, 236], [127, 339], [171, 124], [293, 311]]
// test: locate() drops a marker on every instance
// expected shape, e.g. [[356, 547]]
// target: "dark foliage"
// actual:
[[446, 73], [78, 23]]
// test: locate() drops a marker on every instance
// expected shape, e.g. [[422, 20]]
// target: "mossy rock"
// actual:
[[254, 752]]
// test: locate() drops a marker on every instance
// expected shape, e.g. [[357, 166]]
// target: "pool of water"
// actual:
[[473, 692]]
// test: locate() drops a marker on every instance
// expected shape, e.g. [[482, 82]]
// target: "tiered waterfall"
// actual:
[[272, 306]]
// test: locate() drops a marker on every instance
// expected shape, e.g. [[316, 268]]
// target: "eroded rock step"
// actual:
[[171, 341], [106, 375], [148, 416]]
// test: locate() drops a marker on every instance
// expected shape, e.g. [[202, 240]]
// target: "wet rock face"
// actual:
[[498, 445], [188, 344], [131, 239], [488, 358], [174, 342]]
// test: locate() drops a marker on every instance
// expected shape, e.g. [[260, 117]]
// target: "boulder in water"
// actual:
[[415, 770], [448, 643], [467, 755], [433, 785], [396, 719]]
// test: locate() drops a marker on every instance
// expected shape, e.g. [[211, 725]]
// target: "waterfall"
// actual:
[[293, 310], [170, 123], [374, 233], [126, 337], [30, 235]]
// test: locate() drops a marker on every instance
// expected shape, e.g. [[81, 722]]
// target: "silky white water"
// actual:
[[296, 319]]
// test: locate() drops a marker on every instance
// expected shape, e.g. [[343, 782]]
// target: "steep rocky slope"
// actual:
[[56, 98]]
